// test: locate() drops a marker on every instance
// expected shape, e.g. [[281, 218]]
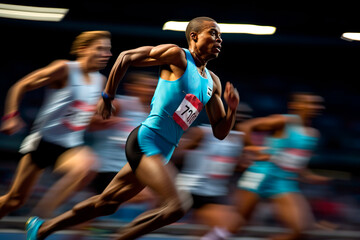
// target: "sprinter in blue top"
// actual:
[[281, 162], [176, 104], [185, 88]]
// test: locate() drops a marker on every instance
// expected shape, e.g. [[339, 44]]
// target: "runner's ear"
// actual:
[[193, 36]]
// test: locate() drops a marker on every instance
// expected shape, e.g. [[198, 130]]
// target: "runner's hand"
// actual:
[[12, 125], [231, 96], [104, 108]]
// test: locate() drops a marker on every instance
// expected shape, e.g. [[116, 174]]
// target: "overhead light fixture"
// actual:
[[351, 36], [226, 28], [247, 28], [32, 13]]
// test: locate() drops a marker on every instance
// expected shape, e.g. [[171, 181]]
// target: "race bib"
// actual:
[[251, 180], [292, 159], [187, 181], [187, 111], [78, 115]]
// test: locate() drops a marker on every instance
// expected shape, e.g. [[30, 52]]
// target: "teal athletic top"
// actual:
[[294, 137], [292, 151], [176, 104], [289, 154]]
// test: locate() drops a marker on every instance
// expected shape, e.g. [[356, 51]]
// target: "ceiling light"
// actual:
[[351, 36], [247, 28], [32, 13], [226, 28], [175, 26]]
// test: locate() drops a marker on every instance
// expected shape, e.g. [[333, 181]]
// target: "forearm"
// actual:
[[13, 98], [97, 123], [312, 178], [224, 125], [137, 57], [55, 72], [117, 73]]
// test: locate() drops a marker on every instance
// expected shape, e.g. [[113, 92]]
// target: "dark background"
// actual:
[[305, 54]]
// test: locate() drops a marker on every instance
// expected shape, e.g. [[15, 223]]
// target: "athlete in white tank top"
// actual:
[[66, 112], [73, 89]]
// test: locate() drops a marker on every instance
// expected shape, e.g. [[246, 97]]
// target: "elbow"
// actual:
[[124, 58], [122, 62], [220, 135], [220, 131], [18, 88]]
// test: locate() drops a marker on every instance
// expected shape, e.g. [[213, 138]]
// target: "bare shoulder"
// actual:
[[59, 63], [169, 54], [57, 71], [168, 49]]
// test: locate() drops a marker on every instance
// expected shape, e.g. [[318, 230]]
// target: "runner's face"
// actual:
[[209, 39], [310, 105], [99, 53]]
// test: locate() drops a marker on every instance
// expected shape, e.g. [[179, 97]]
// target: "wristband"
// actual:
[[106, 96], [10, 115]]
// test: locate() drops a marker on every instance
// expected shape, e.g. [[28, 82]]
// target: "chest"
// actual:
[[85, 88]]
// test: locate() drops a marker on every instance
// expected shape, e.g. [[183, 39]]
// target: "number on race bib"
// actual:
[[78, 116], [187, 111]]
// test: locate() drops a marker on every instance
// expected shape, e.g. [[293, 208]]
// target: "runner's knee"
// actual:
[[98, 205], [106, 205], [174, 210]]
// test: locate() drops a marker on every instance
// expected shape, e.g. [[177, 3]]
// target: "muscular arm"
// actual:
[[222, 121], [52, 75], [274, 123], [168, 54], [309, 177]]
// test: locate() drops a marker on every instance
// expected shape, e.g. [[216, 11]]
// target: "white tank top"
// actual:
[[66, 112], [207, 170]]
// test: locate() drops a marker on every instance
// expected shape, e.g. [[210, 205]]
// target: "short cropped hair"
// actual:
[[297, 96], [195, 25], [85, 39]]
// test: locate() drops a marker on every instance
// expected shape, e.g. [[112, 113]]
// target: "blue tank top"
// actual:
[[293, 151], [176, 104], [290, 153], [294, 137]]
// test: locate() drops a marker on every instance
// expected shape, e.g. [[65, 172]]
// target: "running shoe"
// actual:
[[32, 227]]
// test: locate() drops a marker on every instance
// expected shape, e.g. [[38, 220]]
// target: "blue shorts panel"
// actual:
[[152, 143], [278, 186]]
